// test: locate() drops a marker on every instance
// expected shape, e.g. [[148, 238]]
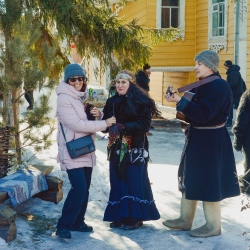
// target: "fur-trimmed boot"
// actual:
[[187, 212], [212, 227]]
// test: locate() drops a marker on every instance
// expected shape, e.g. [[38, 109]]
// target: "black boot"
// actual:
[[82, 228], [63, 233], [116, 225], [133, 225]]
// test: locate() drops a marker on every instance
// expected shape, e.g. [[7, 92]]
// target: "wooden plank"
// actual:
[[52, 196], [8, 233], [46, 170], [54, 183], [3, 197], [7, 215]]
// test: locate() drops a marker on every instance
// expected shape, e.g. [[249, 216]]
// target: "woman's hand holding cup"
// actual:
[[95, 112]]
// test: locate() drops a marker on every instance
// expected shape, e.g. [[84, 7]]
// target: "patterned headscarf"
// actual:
[[127, 75]]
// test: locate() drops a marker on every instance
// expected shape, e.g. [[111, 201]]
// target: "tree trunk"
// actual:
[[5, 110], [15, 109]]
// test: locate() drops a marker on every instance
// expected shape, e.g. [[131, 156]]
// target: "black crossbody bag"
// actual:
[[81, 146]]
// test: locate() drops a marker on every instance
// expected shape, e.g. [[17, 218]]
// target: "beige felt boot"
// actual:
[[212, 227], [187, 212]]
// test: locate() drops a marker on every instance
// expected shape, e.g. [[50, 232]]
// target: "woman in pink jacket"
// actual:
[[71, 113]]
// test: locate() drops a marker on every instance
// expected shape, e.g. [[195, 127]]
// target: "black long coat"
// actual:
[[209, 164], [234, 80], [143, 80]]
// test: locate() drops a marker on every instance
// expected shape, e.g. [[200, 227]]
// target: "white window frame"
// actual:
[[182, 5], [217, 43]]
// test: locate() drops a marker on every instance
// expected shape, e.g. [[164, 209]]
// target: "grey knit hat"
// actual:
[[73, 70], [209, 58]]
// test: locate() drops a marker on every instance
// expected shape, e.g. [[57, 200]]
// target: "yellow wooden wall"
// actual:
[[201, 22], [202, 33], [156, 79], [177, 53], [175, 79], [229, 53], [135, 10]]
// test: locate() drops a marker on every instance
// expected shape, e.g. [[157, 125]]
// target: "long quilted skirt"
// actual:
[[131, 197]]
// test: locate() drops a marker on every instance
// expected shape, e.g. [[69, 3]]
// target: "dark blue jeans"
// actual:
[[236, 101], [75, 205]]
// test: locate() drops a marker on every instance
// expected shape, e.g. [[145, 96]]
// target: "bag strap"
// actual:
[[63, 132], [198, 83]]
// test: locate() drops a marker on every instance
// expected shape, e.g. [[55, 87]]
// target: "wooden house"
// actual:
[[218, 25]]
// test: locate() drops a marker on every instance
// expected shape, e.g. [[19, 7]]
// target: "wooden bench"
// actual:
[[8, 230]]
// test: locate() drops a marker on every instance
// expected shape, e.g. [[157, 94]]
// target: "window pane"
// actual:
[[170, 3], [218, 1], [221, 7], [165, 18], [174, 17], [221, 32], [214, 32], [218, 18], [215, 20], [215, 7], [221, 20]]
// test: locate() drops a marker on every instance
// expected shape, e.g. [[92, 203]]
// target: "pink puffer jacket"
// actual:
[[71, 113]]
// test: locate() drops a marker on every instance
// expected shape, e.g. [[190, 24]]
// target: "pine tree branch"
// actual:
[[33, 124], [16, 100], [32, 143], [31, 156]]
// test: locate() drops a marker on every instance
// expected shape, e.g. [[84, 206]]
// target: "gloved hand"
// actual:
[[119, 126], [237, 143]]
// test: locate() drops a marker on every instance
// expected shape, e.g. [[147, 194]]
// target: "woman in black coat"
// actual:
[[131, 200], [207, 171], [241, 130]]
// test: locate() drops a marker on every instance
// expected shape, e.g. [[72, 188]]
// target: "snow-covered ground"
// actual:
[[37, 219]]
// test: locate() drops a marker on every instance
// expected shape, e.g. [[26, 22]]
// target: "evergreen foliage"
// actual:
[[30, 56], [97, 32]]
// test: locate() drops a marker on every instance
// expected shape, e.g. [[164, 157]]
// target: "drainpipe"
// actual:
[[236, 33]]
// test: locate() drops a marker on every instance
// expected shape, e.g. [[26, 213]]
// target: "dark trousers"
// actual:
[[75, 205], [236, 101], [29, 98]]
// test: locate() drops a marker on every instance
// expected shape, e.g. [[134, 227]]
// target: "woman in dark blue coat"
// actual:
[[207, 171], [131, 200]]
